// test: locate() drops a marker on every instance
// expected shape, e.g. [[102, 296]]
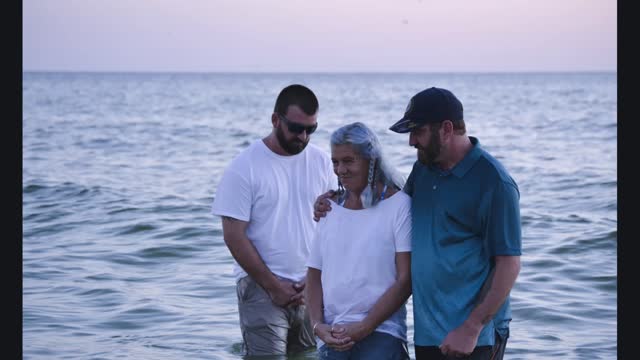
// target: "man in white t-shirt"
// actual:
[[265, 199]]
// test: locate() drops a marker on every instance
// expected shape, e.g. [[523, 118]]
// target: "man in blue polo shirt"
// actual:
[[466, 242]]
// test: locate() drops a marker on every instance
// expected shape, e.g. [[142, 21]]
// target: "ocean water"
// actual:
[[123, 259]]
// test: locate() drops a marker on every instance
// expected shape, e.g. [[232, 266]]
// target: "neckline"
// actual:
[[344, 199]]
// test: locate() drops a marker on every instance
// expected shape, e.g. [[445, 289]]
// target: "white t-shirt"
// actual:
[[355, 250], [275, 194]]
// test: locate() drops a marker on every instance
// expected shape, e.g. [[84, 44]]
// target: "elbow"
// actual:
[[509, 262], [229, 240], [405, 284], [516, 265]]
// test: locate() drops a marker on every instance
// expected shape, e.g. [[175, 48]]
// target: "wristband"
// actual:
[[313, 331]]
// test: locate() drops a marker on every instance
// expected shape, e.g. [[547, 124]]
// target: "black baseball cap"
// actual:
[[432, 105]]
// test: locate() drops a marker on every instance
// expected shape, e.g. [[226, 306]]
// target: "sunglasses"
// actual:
[[297, 128]]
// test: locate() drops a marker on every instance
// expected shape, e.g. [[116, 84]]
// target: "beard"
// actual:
[[428, 155], [293, 146]]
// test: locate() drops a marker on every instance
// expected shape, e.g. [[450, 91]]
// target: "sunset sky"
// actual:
[[320, 36]]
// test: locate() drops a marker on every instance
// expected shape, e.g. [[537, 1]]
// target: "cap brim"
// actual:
[[403, 125]]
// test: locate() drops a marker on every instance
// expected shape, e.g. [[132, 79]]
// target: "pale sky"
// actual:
[[320, 35]]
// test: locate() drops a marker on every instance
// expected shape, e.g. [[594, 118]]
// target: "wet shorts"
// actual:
[[268, 329]]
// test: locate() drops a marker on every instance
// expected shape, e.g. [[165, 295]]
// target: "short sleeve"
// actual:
[[503, 228], [233, 196], [402, 225], [314, 260]]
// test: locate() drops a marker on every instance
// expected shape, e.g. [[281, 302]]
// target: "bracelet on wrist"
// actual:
[[313, 331]]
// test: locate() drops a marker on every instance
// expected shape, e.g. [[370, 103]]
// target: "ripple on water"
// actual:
[[29, 189], [170, 251], [98, 292], [545, 264], [139, 318], [128, 259], [605, 283], [136, 228], [100, 277], [65, 190], [120, 210], [575, 245], [189, 232]]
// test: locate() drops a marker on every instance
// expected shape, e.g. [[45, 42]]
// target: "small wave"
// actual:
[[139, 318], [32, 188], [177, 251], [125, 259], [82, 334], [53, 229], [100, 277], [545, 264], [98, 292], [55, 194], [177, 209], [121, 325], [48, 216], [187, 233], [548, 315], [573, 245], [137, 228], [547, 337], [604, 283], [575, 218], [122, 210]]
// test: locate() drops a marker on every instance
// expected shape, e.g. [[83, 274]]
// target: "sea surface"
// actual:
[[123, 259]]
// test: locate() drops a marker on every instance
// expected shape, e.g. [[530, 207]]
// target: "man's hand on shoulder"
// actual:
[[321, 206]]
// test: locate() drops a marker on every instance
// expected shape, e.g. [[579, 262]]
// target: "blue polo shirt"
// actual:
[[461, 218]]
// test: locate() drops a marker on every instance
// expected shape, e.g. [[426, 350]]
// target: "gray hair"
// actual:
[[366, 143]]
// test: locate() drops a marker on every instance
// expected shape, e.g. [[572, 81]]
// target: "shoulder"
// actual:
[[250, 153], [495, 170], [398, 198], [403, 198]]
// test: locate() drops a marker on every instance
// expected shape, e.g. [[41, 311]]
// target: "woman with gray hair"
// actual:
[[359, 266]]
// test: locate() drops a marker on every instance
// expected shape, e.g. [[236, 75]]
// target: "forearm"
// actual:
[[497, 286], [314, 296], [394, 296], [245, 253], [388, 303]]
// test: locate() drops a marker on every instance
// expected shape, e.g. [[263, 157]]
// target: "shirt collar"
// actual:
[[469, 159]]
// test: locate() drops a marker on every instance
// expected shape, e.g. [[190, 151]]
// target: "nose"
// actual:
[[412, 139], [303, 135]]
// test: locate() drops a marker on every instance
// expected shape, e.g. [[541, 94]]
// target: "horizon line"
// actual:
[[319, 72]]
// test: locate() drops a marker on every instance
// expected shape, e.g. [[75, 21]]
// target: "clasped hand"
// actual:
[[342, 337]]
